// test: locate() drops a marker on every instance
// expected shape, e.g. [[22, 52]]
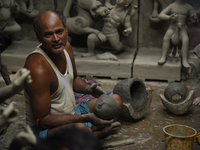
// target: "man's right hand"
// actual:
[[100, 123]]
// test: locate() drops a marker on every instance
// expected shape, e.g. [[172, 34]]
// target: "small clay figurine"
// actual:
[[177, 12]]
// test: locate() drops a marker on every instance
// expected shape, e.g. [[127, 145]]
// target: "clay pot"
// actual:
[[136, 99]]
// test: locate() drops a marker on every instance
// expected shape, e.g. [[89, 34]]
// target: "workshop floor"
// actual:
[[146, 133]]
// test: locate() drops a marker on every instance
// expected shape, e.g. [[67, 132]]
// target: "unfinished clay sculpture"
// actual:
[[120, 14], [154, 16], [21, 80], [107, 107], [177, 12], [23, 139], [10, 114], [84, 22], [177, 99], [8, 9], [27, 8], [136, 99], [7, 116]]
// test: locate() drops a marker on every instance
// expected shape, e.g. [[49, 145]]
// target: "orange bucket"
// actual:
[[179, 137]]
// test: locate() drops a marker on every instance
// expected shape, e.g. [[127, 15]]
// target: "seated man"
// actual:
[[50, 102]]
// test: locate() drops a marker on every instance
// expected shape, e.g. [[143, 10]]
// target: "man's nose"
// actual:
[[56, 37]]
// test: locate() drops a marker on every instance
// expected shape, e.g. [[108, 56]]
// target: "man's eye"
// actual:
[[60, 31], [47, 35]]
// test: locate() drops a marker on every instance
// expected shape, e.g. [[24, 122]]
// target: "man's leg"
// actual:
[[60, 128]]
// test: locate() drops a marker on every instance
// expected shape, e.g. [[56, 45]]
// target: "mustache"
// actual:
[[57, 43]]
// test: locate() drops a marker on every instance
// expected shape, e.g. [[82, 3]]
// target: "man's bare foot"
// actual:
[[108, 130], [87, 54], [196, 101]]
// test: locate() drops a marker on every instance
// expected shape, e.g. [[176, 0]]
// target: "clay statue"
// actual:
[[120, 14], [154, 16], [7, 116], [83, 23], [177, 12], [8, 8], [23, 139], [10, 114], [108, 107], [21, 79], [27, 8], [4, 71]]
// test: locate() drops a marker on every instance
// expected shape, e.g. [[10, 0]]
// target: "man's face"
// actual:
[[53, 34]]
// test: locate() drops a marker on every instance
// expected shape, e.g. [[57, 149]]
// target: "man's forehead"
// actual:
[[48, 15], [49, 19]]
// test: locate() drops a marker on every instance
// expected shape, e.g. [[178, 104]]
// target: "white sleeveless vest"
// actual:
[[62, 101]]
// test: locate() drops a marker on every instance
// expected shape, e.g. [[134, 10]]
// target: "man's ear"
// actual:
[[66, 30]]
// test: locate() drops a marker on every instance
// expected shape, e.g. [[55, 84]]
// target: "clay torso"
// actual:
[[112, 21]]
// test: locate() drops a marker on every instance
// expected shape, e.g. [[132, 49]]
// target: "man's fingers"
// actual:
[[93, 86], [108, 122], [100, 89]]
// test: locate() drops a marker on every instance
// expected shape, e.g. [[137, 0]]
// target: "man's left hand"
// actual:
[[94, 90]]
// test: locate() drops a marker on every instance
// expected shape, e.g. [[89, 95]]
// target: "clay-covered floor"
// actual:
[[146, 133]]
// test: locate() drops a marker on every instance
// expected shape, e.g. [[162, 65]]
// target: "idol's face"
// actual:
[[124, 3], [106, 107], [53, 34]]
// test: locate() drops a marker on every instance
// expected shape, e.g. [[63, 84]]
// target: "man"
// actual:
[[50, 103]]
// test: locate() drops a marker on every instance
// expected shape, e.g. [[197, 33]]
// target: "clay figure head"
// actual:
[[107, 107], [90, 5], [124, 3], [50, 28]]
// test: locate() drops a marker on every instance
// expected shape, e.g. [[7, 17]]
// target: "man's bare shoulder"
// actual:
[[37, 64]]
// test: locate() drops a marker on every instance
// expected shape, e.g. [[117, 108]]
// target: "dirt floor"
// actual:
[[146, 133]]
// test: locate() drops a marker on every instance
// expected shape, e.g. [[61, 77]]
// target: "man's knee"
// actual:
[[83, 127]]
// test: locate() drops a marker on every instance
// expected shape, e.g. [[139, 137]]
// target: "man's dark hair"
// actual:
[[72, 139], [36, 21]]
